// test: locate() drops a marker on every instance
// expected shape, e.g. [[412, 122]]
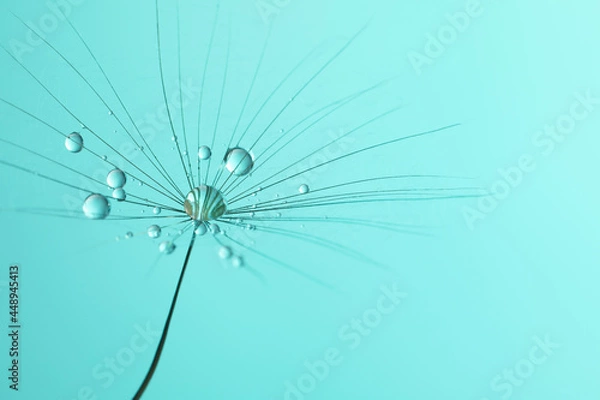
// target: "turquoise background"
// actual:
[[477, 296]]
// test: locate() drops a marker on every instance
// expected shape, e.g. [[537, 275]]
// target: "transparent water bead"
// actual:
[[238, 161], [303, 189], [119, 195], [166, 247], [225, 252], [128, 235], [74, 142], [205, 203], [204, 153], [116, 179], [214, 229], [237, 262], [200, 230], [96, 206], [154, 231], [156, 210]]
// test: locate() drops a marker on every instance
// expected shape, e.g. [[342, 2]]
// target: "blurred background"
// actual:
[[493, 299]]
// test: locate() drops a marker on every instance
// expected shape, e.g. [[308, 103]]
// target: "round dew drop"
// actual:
[[154, 231], [204, 153], [96, 206], [74, 142], [237, 262], [128, 235], [116, 179], [119, 194], [200, 230], [204, 203], [166, 247], [303, 189], [225, 252], [156, 210], [238, 161]]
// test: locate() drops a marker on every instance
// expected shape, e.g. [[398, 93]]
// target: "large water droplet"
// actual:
[[238, 161], [116, 179], [96, 206], [154, 231], [119, 194], [74, 142], [166, 247], [204, 153], [204, 203]]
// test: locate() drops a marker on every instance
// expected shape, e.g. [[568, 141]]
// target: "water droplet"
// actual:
[[281, 130], [74, 142], [119, 194], [166, 247], [156, 210], [278, 215], [303, 189], [214, 228], [238, 161], [204, 203], [225, 252], [116, 179], [200, 230], [110, 112], [104, 158], [237, 262], [128, 235], [174, 138], [96, 206], [154, 231]]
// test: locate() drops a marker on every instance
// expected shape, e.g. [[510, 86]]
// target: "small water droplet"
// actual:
[[238, 161], [74, 142], [214, 228], [204, 153], [128, 235], [156, 210], [116, 179], [303, 189], [237, 262], [96, 206], [104, 158], [119, 194], [154, 231], [200, 230], [225, 252], [166, 247]]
